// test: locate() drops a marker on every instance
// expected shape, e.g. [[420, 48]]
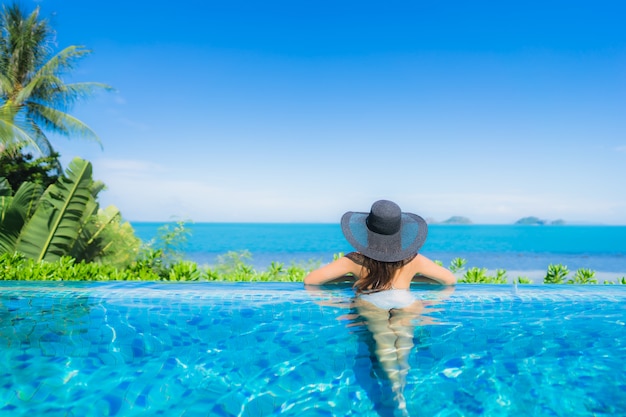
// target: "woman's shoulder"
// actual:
[[356, 257]]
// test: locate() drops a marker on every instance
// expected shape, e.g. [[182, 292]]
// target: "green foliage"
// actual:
[[15, 210], [18, 168], [55, 225], [476, 275], [232, 267], [149, 266], [337, 255], [64, 220], [162, 258], [33, 95], [184, 271], [457, 265], [108, 240], [14, 266], [583, 276], [556, 274], [171, 241]]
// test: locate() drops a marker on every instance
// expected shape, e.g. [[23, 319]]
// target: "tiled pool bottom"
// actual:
[[137, 349]]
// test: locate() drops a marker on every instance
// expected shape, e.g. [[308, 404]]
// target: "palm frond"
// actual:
[[60, 122], [15, 130], [32, 85]]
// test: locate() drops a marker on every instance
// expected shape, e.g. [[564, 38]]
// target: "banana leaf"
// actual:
[[27, 198], [84, 246], [14, 212], [5, 188], [54, 226]]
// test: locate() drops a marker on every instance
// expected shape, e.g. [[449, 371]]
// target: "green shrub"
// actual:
[[232, 266], [184, 271], [583, 276], [556, 274], [457, 265], [476, 275]]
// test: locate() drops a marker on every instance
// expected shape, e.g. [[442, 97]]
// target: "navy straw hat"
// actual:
[[385, 233]]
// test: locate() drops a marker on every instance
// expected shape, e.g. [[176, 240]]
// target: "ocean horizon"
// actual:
[[524, 250]]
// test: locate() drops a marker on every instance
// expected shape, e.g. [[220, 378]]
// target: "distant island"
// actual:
[[457, 220], [532, 220], [451, 220]]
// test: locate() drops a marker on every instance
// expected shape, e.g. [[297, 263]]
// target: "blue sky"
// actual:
[[301, 110]]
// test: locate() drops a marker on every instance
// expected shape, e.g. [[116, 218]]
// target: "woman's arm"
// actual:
[[332, 271], [427, 268]]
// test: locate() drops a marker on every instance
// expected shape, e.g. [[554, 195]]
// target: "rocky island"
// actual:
[[536, 221]]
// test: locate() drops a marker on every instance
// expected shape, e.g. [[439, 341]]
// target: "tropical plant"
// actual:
[[55, 225], [337, 255], [233, 266], [170, 241], [556, 274], [15, 210], [33, 96], [184, 271], [479, 276], [20, 167], [64, 220], [457, 264], [524, 280], [474, 275], [274, 271], [583, 276]]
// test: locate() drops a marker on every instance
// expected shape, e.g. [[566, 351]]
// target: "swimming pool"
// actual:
[[258, 349]]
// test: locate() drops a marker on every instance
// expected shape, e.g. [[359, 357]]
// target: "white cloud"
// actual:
[[126, 166], [145, 191]]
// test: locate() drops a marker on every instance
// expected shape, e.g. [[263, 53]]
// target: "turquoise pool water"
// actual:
[[209, 349]]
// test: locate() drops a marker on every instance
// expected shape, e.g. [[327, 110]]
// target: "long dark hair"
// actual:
[[378, 274]]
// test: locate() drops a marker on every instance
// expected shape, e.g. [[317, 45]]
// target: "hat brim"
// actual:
[[385, 248]]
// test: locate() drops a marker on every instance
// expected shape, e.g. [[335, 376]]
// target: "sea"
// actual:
[[521, 250]]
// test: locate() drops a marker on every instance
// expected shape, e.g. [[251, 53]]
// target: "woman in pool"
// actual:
[[386, 262]]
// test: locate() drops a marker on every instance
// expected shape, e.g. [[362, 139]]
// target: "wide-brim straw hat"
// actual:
[[385, 234]]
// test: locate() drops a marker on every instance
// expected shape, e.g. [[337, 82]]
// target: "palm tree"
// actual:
[[34, 99]]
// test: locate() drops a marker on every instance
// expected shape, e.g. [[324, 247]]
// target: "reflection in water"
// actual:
[[386, 338]]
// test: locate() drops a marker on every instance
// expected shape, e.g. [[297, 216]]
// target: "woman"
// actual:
[[387, 243], [385, 264]]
